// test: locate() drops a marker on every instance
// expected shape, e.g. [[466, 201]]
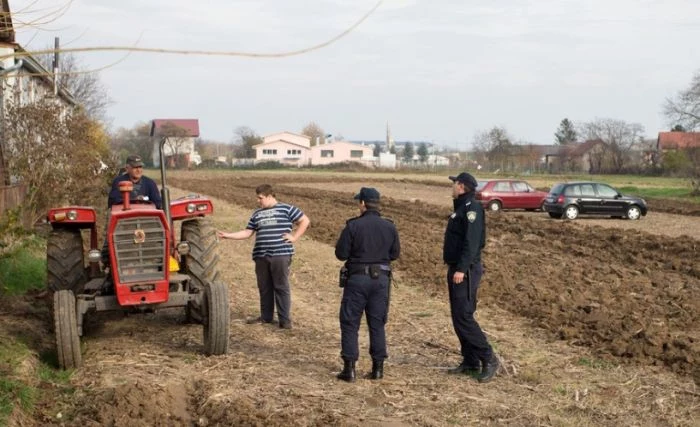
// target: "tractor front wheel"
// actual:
[[65, 269], [216, 318], [66, 329]]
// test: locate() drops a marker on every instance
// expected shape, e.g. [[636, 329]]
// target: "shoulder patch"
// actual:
[[471, 216]]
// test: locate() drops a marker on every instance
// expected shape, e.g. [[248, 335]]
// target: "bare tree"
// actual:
[[85, 86], [684, 108], [496, 146], [135, 140], [246, 139], [314, 131], [619, 138]]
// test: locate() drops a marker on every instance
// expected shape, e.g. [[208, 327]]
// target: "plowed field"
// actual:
[[596, 322]]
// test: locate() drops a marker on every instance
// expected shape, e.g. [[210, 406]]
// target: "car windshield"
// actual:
[[480, 185]]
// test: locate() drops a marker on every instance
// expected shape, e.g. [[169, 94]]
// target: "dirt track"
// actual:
[[591, 332]]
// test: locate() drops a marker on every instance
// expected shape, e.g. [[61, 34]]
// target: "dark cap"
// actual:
[[367, 194], [465, 178], [134, 160]]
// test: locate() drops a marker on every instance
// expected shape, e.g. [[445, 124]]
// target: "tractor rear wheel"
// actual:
[[65, 267], [201, 264], [216, 318], [66, 329]]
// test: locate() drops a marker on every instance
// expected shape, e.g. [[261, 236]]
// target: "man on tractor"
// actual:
[[144, 187]]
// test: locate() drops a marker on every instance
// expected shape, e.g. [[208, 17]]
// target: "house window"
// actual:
[[294, 152], [355, 153], [326, 153], [270, 152]]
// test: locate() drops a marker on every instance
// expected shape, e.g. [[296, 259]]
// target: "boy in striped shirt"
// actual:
[[273, 225]]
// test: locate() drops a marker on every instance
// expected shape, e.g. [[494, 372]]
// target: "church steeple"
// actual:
[[389, 139]]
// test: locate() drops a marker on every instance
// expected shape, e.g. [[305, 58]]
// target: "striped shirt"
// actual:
[[269, 226]]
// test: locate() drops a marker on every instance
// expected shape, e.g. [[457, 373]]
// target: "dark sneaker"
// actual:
[[257, 320], [489, 371]]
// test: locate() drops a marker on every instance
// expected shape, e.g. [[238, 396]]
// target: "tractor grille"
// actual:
[[140, 249]]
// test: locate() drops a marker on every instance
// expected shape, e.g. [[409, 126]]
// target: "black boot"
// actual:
[[489, 370], [348, 373], [466, 369], [377, 370]]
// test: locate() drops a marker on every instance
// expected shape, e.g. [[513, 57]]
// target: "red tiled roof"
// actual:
[[190, 125], [677, 140]]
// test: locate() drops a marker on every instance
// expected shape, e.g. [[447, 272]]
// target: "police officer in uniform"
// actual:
[[367, 244], [465, 236]]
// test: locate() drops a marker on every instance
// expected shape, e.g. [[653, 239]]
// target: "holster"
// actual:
[[343, 277], [374, 271]]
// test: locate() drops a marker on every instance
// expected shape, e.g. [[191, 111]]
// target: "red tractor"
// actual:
[[148, 268]]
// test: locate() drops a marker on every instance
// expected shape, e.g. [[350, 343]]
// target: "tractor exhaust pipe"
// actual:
[[164, 192], [125, 187]]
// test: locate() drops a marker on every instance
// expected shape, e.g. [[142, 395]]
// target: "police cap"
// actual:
[[465, 178], [367, 194]]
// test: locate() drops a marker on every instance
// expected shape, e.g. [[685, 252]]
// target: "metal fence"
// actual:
[[11, 196]]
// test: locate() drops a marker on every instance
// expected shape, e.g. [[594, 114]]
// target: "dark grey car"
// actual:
[[569, 199]]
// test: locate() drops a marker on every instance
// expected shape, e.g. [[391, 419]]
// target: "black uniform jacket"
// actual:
[[465, 235], [368, 239]]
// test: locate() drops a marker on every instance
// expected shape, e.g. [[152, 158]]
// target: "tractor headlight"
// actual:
[[201, 207], [183, 248], [72, 215], [94, 255], [190, 208]]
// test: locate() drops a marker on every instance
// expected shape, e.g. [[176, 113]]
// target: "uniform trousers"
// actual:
[[362, 294], [475, 347]]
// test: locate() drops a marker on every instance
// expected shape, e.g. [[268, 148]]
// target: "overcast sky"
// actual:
[[435, 70]]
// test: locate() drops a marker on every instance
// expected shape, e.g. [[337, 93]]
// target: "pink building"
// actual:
[[285, 147], [295, 150], [342, 151]]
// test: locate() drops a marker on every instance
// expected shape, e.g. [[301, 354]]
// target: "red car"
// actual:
[[497, 194]]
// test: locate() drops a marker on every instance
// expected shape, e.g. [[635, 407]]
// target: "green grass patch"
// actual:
[[13, 391], [661, 193], [24, 267], [19, 386]]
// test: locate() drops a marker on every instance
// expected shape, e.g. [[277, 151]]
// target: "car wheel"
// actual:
[[571, 212], [633, 212], [494, 206]]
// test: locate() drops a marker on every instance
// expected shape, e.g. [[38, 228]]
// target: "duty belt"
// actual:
[[364, 269]]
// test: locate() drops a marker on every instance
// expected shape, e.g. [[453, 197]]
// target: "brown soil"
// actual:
[[596, 322]]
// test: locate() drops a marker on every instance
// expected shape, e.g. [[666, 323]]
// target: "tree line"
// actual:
[[71, 158]]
